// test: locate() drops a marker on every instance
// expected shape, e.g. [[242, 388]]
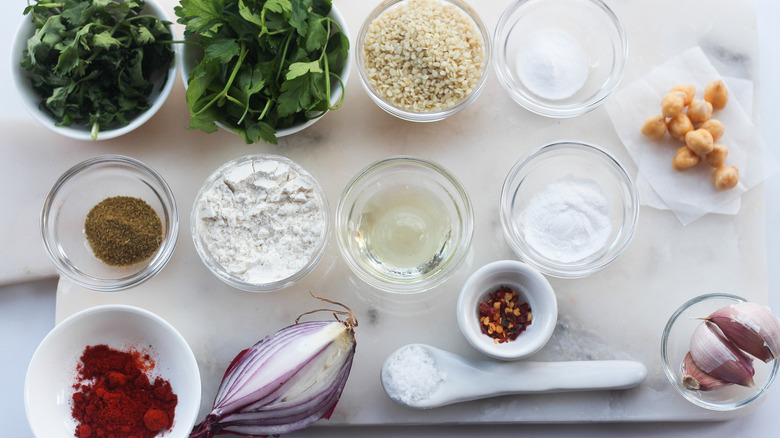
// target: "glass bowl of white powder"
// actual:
[[569, 209], [559, 58], [260, 223]]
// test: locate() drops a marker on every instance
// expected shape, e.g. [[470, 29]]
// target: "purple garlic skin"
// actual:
[[695, 379], [718, 357], [751, 327]]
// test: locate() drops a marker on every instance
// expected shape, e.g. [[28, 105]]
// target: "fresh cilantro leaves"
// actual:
[[91, 60], [266, 65]]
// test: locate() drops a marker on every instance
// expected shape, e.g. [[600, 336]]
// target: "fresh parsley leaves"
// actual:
[[91, 61], [266, 65]]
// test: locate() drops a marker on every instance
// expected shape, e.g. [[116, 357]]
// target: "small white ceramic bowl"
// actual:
[[191, 54], [48, 387], [162, 87], [532, 287], [72, 197], [589, 23]]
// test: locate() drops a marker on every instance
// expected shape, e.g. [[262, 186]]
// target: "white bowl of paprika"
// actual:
[[113, 366]]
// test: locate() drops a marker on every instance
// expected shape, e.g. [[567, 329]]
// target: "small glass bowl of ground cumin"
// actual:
[[507, 310], [423, 60], [110, 223]]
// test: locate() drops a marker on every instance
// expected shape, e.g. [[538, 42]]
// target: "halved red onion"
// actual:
[[285, 382]]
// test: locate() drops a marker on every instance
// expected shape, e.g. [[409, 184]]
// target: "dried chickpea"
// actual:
[[716, 94], [684, 159], [689, 90], [725, 177], [654, 127], [679, 126], [699, 111], [715, 127], [717, 157], [699, 141], [673, 103]]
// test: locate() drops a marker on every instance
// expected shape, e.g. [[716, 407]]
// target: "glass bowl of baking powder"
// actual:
[[560, 58], [260, 222], [569, 209]]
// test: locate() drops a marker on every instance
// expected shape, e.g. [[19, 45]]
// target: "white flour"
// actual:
[[552, 64], [568, 220], [262, 221]]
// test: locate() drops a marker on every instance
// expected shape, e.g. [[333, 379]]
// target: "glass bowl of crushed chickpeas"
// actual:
[[560, 58], [423, 60]]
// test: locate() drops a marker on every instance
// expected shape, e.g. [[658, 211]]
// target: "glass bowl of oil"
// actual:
[[404, 224]]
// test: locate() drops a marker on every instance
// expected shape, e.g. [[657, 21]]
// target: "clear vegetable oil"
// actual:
[[404, 231]]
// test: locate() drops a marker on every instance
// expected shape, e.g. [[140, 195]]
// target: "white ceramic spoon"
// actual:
[[471, 380]]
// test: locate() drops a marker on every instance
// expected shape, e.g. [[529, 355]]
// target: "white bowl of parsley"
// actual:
[[94, 70], [263, 69]]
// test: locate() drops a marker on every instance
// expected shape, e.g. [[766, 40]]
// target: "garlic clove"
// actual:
[[751, 327], [694, 378], [718, 357]]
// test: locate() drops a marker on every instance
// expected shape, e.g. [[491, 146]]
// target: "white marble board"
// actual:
[[617, 313]]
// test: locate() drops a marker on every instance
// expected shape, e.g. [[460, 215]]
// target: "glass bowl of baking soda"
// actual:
[[559, 58], [569, 209], [260, 222]]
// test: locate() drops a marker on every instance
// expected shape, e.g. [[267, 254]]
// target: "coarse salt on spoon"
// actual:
[[420, 376]]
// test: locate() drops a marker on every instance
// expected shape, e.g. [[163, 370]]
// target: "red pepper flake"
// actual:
[[502, 316]]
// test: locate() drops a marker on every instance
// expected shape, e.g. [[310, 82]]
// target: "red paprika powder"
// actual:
[[115, 398]]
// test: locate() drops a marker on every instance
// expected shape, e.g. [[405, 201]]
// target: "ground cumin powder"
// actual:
[[123, 230]]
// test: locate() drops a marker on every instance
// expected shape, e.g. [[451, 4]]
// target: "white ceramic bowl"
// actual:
[[591, 24], [162, 87], [532, 287], [421, 116], [676, 342], [553, 164], [48, 387], [72, 197], [191, 54]]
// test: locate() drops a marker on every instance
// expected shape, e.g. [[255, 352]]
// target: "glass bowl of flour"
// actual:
[[560, 58], [569, 209], [260, 223]]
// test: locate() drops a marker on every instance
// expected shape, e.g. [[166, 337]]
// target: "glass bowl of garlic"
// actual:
[[717, 339]]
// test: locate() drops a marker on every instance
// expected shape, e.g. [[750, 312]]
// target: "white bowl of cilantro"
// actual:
[[267, 86], [94, 71]]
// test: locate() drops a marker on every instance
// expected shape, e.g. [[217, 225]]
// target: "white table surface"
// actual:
[[27, 309]]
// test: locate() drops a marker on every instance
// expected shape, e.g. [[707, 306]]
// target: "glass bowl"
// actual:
[[675, 343], [432, 115], [73, 196], [271, 262], [560, 58], [52, 372], [191, 54], [163, 85], [571, 172], [531, 286], [404, 224]]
